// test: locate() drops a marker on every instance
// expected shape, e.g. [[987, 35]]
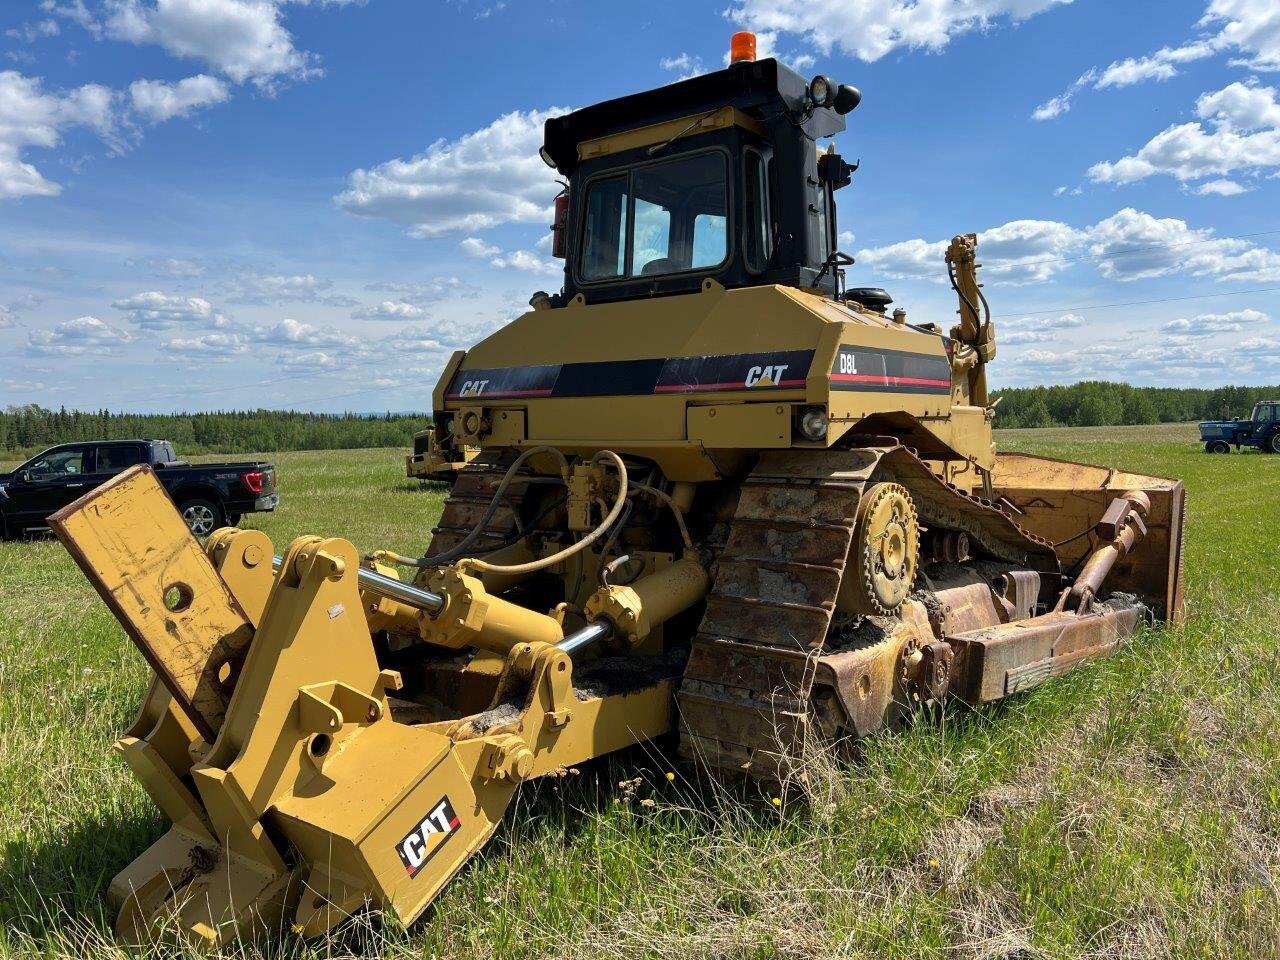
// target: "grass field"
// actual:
[[1129, 810]]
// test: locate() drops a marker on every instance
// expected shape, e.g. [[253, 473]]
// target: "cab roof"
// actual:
[[752, 87]]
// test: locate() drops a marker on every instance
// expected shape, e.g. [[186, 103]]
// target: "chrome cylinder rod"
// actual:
[[391, 588], [580, 640]]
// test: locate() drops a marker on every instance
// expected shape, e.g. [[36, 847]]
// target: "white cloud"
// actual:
[[485, 178], [76, 337], [1185, 352], [1027, 251], [443, 336], [1128, 245], [290, 333], [76, 12], [1207, 324], [528, 261], [1132, 245], [531, 261], [873, 28], [417, 340], [260, 288], [32, 117], [317, 360], [242, 39], [288, 337], [154, 310], [31, 32], [397, 310], [1221, 188], [686, 65], [1189, 151], [1241, 106], [475, 247], [1021, 251], [1248, 27], [1036, 329], [1057, 106], [1251, 27], [426, 291], [906, 258], [157, 100], [209, 347], [28, 301], [1161, 65], [169, 266]]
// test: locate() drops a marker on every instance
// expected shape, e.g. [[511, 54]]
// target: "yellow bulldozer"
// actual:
[[715, 494]]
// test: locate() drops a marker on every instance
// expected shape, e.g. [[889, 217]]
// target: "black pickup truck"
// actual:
[[208, 495]]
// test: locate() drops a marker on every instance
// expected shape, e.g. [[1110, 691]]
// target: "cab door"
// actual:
[[55, 479]]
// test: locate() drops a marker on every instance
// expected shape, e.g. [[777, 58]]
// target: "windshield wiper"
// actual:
[[659, 147]]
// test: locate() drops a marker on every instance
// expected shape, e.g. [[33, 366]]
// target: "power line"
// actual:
[[1130, 303]]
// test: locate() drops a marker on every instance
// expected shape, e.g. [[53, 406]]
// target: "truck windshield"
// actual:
[[1264, 412], [661, 218]]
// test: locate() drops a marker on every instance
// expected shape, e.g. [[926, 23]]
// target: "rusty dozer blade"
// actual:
[[299, 788]]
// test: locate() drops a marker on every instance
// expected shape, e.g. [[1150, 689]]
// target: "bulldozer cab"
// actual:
[[718, 176]]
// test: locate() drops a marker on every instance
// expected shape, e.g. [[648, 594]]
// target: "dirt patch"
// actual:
[[506, 712], [614, 676]]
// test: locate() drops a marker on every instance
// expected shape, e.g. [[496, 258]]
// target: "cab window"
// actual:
[[605, 242], [62, 463], [660, 218], [821, 201], [758, 235], [114, 459], [1264, 412]]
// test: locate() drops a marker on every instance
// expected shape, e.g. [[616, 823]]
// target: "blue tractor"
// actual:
[[1261, 430]]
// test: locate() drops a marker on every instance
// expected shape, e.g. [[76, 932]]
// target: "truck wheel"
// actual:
[[201, 516], [1217, 446], [1272, 443]]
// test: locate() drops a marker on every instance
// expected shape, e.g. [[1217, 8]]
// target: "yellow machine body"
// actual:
[[781, 350]]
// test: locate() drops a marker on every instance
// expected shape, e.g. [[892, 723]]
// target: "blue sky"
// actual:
[[310, 203]]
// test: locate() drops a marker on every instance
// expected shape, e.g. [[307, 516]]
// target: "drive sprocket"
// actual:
[[886, 548]]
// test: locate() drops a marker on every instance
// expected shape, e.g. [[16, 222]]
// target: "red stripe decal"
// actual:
[[735, 385], [499, 393], [889, 381]]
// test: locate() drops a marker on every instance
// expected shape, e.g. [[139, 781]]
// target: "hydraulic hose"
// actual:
[[675, 510], [519, 569], [448, 556]]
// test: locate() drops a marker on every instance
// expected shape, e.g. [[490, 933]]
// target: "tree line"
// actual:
[[30, 428], [1097, 403]]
